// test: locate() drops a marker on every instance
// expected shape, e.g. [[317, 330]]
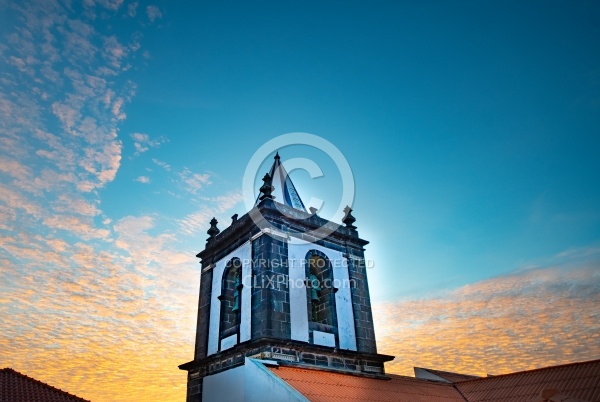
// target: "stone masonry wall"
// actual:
[[270, 294]]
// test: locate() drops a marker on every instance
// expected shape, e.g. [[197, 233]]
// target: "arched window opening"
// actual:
[[321, 293], [231, 299]]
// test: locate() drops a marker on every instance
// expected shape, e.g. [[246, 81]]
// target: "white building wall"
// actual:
[[324, 338], [297, 251], [426, 375], [229, 342], [298, 302], [264, 386], [226, 386], [252, 382], [244, 253], [245, 320], [343, 307]]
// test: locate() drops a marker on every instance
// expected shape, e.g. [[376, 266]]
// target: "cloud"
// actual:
[[114, 53], [18, 201], [153, 13], [53, 148], [79, 302], [14, 168], [61, 50], [102, 163], [116, 109], [532, 318], [194, 181], [162, 164], [67, 115], [75, 204], [143, 179], [76, 225], [75, 286], [199, 220], [109, 4], [143, 142], [132, 9]]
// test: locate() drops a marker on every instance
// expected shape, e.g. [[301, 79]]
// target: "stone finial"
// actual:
[[267, 188], [234, 218], [348, 218], [213, 230], [313, 210], [277, 155]]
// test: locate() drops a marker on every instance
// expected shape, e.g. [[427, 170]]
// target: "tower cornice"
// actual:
[[288, 220], [257, 346]]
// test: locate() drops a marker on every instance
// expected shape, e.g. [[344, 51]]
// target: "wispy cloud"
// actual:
[[143, 142], [100, 305], [214, 207], [194, 181], [143, 179], [153, 13], [532, 318], [132, 9], [75, 286], [162, 164]]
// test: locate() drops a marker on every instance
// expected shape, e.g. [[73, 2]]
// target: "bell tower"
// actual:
[[282, 284]]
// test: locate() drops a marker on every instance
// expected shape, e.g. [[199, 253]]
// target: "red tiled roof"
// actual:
[[17, 387], [576, 380], [318, 386]]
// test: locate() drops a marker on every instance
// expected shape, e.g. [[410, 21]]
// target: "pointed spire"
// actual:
[[213, 231], [283, 189], [348, 218], [267, 188]]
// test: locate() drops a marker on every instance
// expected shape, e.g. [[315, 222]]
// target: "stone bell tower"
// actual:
[[285, 285]]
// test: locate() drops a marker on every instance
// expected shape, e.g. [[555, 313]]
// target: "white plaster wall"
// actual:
[[298, 307], [426, 375], [252, 382], [263, 386], [343, 307], [226, 386], [245, 320], [244, 253], [298, 304], [324, 339], [229, 342]]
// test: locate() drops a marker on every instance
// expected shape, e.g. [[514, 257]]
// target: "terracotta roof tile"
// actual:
[[318, 386], [577, 380], [17, 387]]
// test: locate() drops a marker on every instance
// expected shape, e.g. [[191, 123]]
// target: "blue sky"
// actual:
[[472, 130]]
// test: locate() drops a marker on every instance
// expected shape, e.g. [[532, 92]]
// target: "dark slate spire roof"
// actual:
[[285, 192]]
